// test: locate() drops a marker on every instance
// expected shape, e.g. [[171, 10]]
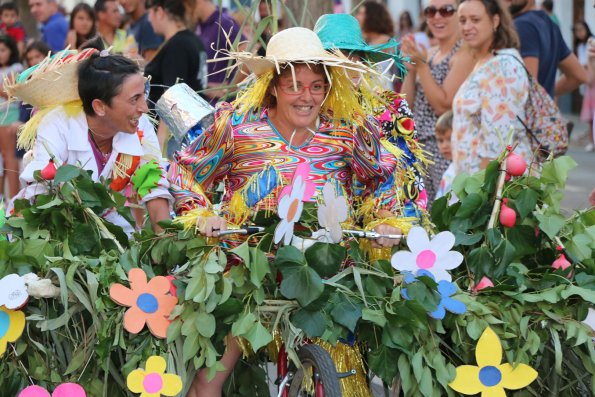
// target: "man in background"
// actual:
[[543, 49], [54, 26], [146, 38], [108, 26]]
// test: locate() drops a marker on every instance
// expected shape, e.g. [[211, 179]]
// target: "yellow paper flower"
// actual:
[[12, 324], [153, 381], [490, 377]]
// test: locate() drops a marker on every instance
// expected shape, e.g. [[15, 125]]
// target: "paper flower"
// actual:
[[149, 302], [590, 320], [13, 291], [291, 203], [490, 377], [332, 212], [485, 282], [12, 324], [445, 289], [434, 256], [153, 381], [146, 178], [63, 390]]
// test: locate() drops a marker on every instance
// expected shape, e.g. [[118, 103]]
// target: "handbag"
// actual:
[[544, 124]]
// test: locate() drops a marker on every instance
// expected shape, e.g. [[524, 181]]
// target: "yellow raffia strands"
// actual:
[[253, 96], [189, 219], [28, 132], [238, 209], [392, 149], [347, 358], [122, 165], [341, 101]]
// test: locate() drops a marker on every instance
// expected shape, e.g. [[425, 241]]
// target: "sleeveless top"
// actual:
[[425, 118]]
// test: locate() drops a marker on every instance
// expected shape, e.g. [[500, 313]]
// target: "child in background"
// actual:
[[443, 133], [11, 25]]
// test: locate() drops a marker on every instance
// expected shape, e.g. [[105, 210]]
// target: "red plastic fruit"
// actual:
[[515, 165], [49, 171], [507, 215], [561, 263]]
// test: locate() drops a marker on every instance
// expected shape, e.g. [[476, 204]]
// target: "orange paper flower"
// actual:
[[149, 302]]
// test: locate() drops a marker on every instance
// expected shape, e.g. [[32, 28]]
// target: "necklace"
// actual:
[[104, 156]]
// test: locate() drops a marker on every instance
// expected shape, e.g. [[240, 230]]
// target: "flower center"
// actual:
[[426, 259], [293, 207], [490, 376], [147, 303], [153, 383], [4, 323]]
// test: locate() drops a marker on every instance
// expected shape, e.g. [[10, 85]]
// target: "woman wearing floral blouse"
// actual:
[[487, 104]]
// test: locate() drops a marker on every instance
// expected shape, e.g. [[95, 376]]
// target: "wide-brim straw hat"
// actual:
[[294, 45], [343, 32], [54, 81]]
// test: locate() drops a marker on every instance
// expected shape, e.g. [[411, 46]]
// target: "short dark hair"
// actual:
[[548, 5], [12, 46], [378, 19], [9, 7], [444, 122], [100, 5], [177, 9], [38, 45], [101, 77]]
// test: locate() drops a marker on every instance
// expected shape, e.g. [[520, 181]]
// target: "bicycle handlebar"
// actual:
[[247, 230]]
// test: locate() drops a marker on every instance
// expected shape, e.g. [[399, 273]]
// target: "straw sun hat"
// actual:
[[294, 45], [54, 81]]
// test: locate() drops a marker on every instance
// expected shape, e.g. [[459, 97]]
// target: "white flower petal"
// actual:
[[13, 291], [336, 232], [328, 193], [280, 231], [284, 206], [442, 242], [590, 320], [449, 260], [440, 274], [288, 234], [341, 209], [322, 215], [404, 261], [417, 239]]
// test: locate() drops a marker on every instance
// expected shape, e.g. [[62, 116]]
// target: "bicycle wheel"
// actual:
[[322, 368]]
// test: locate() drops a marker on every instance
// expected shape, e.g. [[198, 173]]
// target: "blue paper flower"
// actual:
[[445, 289]]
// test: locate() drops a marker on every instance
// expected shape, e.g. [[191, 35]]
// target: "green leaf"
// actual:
[[374, 316], [174, 330], [259, 266], [54, 203], [557, 350], [312, 323], [382, 363], [550, 224], [76, 361], [556, 171], [469, 205], [580, 247], [301, 282], [289, 255], [525, 202], [347, 314], [66, 173], [426, 384], [258, 336], [243, 251], [480, 261], [325, 258], [586, 294], [191, 347], [205, 324]]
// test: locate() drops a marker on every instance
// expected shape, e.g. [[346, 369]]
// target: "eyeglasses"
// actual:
[[445, 11], [299, 89]]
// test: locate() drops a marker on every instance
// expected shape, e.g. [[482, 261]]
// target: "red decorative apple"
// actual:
[[507, 215], [49, 171], [515, 164]]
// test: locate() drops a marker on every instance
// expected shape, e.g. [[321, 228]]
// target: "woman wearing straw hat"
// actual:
[[302, 110], [343, 32], [90, 114]]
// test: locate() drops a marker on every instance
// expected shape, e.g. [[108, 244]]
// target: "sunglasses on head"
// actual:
[[444, 11]]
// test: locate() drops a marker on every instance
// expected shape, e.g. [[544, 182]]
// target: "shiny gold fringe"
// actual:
[[252, 97], [347, 358]]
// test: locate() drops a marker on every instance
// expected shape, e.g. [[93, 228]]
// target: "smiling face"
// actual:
[[443, 27], [123, 113], [299, 111], [477, 26]]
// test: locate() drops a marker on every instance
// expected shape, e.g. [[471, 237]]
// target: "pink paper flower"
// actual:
[[63, 390]]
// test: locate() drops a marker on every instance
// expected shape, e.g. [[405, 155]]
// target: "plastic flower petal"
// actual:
[[153, 381], [290, 210], [490, 377], [12, 324], [332, 212], [150, 303], [13, 291], [445, 289], [433, 255], [69, 390], [34, 391]]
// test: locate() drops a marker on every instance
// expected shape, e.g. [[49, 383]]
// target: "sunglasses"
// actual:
[[445, 11]]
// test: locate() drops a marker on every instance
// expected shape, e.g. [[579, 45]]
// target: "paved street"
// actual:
[[581, 180]]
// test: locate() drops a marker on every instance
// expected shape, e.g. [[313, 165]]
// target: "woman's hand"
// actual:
[[386, 242], [211, 225], [418, 54]]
